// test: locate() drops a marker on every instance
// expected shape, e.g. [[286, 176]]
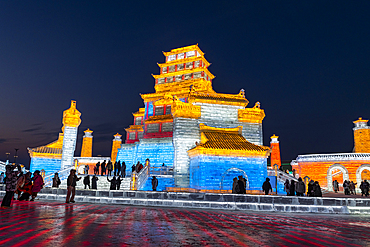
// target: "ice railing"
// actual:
[[63, 174], [161, 170], [2, 166], [282, 176], [138, 179]]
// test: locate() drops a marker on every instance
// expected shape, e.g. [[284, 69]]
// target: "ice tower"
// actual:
[[58, 154], [170, 123]]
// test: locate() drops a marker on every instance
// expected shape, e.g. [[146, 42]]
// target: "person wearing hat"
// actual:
[[71, 186], [11, 184]]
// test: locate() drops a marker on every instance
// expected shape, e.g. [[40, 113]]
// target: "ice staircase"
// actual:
[[102, 183]]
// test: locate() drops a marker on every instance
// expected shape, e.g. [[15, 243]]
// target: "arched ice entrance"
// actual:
[[359, 172], [233, 169], [329, 174]]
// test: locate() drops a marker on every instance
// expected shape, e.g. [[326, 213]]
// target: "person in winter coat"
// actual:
[[38, 183], [352, 188], [365, 188], [266, 187], [346, 187], [310, 191], [87, 168], [300, 187], [56, 181], [287, 187], [317, 190], [241, 186], [97, 166], [154, 183], [118, 182], [71, 186], [335, 186], [20, 183], [109, 168], [87, 181], [11, 184], [123, 169], [117, 168], [113, 183], [133, 168], [292, 188], [26, 188], [235, 183], [103, 168], [94, 184]]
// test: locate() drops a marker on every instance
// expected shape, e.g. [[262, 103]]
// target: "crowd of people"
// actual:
[[349, 187], [104, 168], [25, 186], [293, 188]]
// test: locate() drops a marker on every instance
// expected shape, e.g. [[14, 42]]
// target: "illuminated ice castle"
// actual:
[[206, 137]]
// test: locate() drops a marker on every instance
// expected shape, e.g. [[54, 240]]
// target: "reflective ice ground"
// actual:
[[57, 224]]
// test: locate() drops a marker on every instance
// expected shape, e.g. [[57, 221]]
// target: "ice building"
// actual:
[[59, 154], [325, 168], [200, 134]]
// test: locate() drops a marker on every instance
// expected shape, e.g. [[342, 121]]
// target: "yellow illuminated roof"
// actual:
[[88, 130], [226, 141], [184, 49], [360, 120], [135, 128], [186, 71], [139, 113], [159, 118]]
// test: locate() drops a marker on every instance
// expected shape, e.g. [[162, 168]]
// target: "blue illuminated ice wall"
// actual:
[[207, 172], [157, 150], [49, 165], [163, 182]]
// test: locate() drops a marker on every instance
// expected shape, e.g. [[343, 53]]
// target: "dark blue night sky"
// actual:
[[307, 62]]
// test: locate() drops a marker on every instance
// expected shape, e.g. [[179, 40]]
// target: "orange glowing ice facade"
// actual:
[[275, 151], [325, 168]]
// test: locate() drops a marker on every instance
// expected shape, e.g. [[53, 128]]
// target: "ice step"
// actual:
[[102, 183]]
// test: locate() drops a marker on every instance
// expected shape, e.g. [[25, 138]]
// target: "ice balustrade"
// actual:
[[282, 176], [63, 174], [138, 179], [2, 166], [160, 170]]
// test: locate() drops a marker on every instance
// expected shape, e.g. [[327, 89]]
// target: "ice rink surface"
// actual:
[[54, 224]]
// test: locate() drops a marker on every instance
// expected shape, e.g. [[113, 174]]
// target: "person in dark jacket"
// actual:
[[103, 168], [154, 183], [56, 181], [317, 190], [94, 183], [117, 168], [113, 183], [310, 189], [133, 167], [300, 187], [292, 188], [71, 186], [241, 185], [97, 167], [11, 184], [118, 182], [234, 186], [87, 181], [266, 187], [109, 168], [123, 169]]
